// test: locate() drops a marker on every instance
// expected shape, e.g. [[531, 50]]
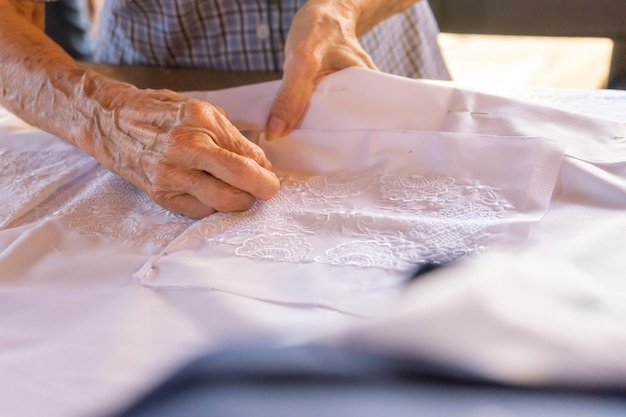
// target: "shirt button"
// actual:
[[262, 31]]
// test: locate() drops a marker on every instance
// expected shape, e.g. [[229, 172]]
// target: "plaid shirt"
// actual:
[[249, 35]]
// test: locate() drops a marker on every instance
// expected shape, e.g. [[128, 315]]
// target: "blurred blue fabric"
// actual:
[[321, 381], [69, 25]]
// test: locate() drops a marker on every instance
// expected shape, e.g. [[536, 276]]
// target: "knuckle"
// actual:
[[172, 138], [257, 153], [180, 140], [244, 170], [195, 107], [203, 112]]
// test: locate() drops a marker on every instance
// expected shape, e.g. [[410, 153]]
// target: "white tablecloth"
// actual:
[[102, 292]]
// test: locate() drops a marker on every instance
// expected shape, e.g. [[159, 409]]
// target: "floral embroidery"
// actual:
[[380, 221]]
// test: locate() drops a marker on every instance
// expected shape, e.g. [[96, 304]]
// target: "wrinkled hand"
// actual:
[[182, 152], [322, 40]]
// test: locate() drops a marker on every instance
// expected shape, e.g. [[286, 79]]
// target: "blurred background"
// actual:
[[528, 61], [555, 43], [552, 43]]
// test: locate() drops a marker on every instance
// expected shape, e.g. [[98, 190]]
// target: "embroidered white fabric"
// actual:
[[72, 237], [29, 176], [359, 210], [360, 246], [48, 180]]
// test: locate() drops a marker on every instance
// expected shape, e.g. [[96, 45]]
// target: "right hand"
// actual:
[[322, 40], [184, 153]]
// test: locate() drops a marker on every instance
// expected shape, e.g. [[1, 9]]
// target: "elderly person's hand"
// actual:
[[323, 39], [182, 152]]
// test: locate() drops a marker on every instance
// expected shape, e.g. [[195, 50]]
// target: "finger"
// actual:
[[238, 171], [188, 205], [242, 173], [215, 193], [226, 135], [201, 150], [290, 102], [301, 75], [198, 194], [236, 142]]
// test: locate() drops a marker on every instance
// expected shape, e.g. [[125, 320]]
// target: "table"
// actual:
[[180, 79]]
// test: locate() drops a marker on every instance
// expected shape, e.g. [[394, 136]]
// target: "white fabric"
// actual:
[[79, 337], [529, 319], [359, 236], [359, 210]]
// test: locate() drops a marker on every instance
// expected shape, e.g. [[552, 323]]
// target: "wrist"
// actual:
[[97, 101]]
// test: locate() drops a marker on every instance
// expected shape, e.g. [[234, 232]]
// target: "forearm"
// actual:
[[41, 84], [44, 86], [29, 10]]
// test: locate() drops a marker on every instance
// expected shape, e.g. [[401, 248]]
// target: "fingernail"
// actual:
[[275, 128]]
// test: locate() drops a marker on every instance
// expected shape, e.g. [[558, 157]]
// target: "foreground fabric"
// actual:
[[527, 200]]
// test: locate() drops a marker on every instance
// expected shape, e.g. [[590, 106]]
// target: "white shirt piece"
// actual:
[[362, 206], [358, 227], [508, 316]]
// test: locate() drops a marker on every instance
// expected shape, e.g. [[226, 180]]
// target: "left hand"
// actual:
[[322, 40]]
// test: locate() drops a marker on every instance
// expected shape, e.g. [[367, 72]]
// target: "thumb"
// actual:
[[291, 100]]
